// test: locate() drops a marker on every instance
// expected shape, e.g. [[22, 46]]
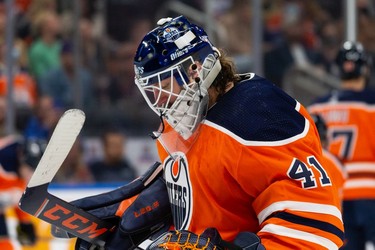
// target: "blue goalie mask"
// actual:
[[175, 64]]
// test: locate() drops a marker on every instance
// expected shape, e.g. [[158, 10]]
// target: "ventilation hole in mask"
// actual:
[[164, 52]]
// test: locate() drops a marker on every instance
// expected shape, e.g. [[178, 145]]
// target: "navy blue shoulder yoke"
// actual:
[[257, 110]]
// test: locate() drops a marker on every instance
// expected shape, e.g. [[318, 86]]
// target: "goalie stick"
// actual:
[[37, 201], [66, 219]]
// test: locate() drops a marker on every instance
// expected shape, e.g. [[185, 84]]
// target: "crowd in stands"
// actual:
[[49, 77]]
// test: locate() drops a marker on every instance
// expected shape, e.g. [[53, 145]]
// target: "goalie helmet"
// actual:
[[175, 64], [351, 60]]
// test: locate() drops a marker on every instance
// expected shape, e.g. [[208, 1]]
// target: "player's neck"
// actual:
[[354, 84], [213, 93]]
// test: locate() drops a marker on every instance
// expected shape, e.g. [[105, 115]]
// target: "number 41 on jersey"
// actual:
[[298, 170]]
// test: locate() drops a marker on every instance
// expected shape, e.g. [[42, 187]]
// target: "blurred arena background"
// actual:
[[61, 54]]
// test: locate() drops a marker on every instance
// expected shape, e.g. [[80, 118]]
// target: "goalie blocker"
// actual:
[[125, 216], [140, 209]]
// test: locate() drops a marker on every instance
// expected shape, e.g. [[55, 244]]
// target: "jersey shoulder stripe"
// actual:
[[321, 225], [299, 206], [300, 235], [259, 143], [344, 105]]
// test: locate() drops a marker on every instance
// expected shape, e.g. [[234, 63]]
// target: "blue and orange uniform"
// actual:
[[350, 116], [256, 165], [11, 185]]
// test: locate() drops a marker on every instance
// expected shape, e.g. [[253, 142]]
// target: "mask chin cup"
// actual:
[[188, 112], [210, 69]]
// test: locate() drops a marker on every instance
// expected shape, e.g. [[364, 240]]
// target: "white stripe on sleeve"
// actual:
[[292, 233], [299, 206]]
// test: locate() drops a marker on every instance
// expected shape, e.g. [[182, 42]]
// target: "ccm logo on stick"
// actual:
[[73, 221]]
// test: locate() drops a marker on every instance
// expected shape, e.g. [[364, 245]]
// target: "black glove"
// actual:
[[26, 234], [147, 214]]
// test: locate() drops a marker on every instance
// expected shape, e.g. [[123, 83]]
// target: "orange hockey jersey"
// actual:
[[25, 89], [336, 172], [350, 119], [256, 166]]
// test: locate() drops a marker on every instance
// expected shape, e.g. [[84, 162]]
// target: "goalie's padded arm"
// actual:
[[121, 193], [143, 215], [149, 208]]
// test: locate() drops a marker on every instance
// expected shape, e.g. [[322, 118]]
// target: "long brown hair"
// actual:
[[227, 74]]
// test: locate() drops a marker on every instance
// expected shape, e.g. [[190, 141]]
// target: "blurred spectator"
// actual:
[[22, 21], [122, 16], [116, 98], [44, 53], [23, 5], [14, 174], [60, 83], [114, 167], [39, 128], [74, 170], [24, 86], [92, 40], [91, 46], [366, 34], [118, 83], [235, 33], [139, 29], [11, 151], [329, 44], [312, 17], [234, 37], [37, 7], [273, 21], [291, 52], [20, 46], [333, 8], [26, 17]]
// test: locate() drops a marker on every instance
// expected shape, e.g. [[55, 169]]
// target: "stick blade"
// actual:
[[62, 140]]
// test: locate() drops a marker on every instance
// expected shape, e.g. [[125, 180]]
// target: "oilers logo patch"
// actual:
[[179, 189], [171, 34]]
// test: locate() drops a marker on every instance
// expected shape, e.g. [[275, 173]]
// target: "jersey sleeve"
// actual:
[[337, 173], [295, 202]]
